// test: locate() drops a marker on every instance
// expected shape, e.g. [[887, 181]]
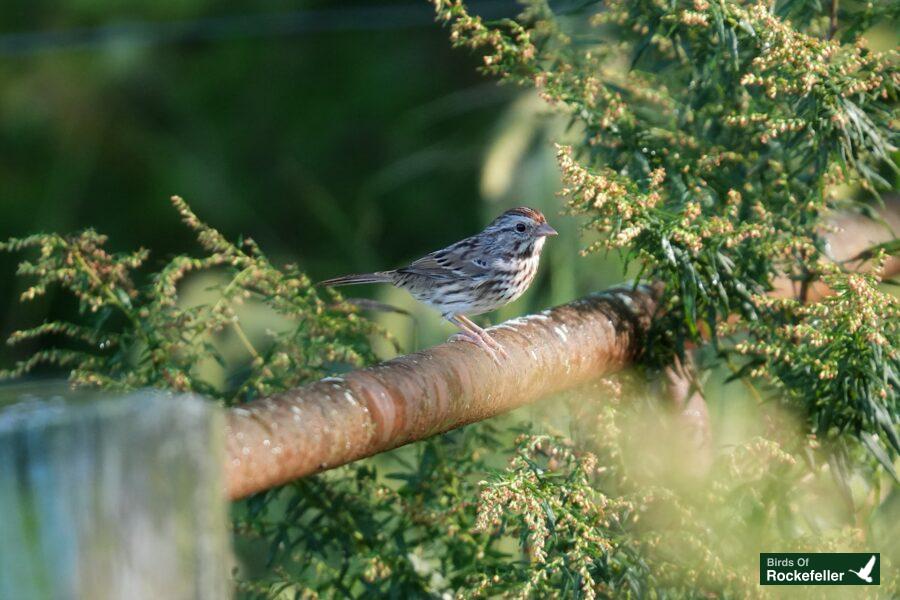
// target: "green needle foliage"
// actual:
[[712, 138], [708, 142], [845, 383]]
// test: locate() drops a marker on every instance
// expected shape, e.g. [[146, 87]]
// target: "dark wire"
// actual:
[[361, 18]]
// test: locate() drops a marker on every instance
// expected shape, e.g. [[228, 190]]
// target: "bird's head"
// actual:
[[522, 231]]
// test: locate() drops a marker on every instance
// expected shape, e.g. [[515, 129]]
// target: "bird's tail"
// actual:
[[379, 277]]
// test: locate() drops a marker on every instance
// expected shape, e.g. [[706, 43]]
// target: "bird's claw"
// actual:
[[494, 344], [491, 347], [485, 342]]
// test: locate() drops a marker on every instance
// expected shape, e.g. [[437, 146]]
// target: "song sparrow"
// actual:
[[475, 275]]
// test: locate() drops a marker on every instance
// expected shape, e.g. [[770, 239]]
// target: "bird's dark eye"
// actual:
[[520, 227]]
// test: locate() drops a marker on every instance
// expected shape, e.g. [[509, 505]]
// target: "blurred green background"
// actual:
[[341, 136]]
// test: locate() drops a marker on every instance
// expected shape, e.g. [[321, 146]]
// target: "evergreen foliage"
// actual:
[[709, 141], [711, 158]]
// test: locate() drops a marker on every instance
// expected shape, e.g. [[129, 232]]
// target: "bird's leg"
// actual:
[[472, 326], [467, 334]]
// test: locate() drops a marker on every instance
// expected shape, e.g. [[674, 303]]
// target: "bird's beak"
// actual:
[[545, 229]]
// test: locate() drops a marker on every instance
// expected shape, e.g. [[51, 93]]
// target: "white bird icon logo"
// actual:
[[864, 573]]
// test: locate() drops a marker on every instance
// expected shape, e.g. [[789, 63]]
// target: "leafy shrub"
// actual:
[[136, 337], [708, 141]]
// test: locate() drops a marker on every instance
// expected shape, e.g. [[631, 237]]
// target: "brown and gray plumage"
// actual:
[[475, 275]]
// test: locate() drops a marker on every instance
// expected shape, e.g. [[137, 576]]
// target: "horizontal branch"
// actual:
[[850, 235], [338, 420], [341, 419]]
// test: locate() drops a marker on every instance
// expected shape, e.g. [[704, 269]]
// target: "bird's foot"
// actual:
[[474, 338], [494, 343]]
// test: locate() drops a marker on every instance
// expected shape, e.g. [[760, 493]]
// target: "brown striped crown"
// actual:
[[527, 212]]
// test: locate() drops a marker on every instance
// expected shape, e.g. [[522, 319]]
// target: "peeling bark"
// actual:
[[338, 420]]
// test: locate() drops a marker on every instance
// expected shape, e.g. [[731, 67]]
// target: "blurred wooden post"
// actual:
[[107, 498]]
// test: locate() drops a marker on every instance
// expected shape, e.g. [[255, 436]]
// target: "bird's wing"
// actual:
[[459, 260], [868, 568], [427, 266]]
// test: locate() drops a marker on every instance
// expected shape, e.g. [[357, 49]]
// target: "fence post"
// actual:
[[105, 497]]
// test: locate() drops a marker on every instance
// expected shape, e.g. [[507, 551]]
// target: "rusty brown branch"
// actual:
[[850, 236], [686, 396], [338, 420]]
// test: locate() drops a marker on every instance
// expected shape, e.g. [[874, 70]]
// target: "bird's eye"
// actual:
[[520, 227]]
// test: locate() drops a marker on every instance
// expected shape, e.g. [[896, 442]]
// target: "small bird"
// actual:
[[475, 275], [866, 572]]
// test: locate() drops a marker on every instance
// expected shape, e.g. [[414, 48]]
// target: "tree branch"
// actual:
[[833, 19], [338, 420], [851, 235], [686, 397]]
